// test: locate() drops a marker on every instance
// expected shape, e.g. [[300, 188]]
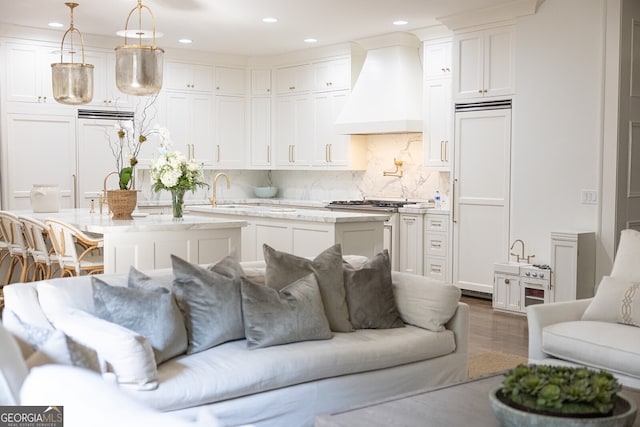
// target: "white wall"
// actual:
[[556, 121]]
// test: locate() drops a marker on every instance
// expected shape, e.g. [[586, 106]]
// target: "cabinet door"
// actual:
[[411, 244], [499, 62], [332, 75], [185, 76], [294, 130], [260, 82], [437, 60], [260, 132], [179, 118], [506, 292], [29, 73], [40, 150], [230, 132], [437, 130], [201, 109], [330, 148], [285, 130], [230, 81], [468, 64], [293, 79]]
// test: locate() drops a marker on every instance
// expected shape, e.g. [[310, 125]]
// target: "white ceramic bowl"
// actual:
[[265, 192]]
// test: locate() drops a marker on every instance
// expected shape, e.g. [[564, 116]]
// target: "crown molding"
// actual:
[[500, 12]]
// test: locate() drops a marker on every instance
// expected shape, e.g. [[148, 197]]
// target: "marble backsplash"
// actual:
[[417, 183]]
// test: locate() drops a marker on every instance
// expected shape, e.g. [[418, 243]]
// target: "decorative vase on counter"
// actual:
[[122, 203], [45, 198], [177, 203]]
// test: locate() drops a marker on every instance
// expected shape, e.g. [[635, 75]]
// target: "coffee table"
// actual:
[[463, 404]]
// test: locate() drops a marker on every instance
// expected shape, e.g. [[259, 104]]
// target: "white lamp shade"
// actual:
[[139, 69], [72, 83]]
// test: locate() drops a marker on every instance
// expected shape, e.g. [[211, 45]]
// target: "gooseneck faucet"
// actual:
[[214, 203], [519, 256]]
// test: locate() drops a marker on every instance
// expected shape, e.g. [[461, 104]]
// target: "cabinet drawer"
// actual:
[[436, 268], [437, 223], [436, 244]]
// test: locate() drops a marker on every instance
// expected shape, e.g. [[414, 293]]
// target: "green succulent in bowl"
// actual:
[[561, 389]]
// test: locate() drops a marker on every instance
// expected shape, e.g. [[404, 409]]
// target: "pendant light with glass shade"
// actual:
[[139, 67], [72, 82]]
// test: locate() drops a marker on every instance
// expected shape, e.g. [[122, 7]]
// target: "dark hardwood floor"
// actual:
[[494, 330]]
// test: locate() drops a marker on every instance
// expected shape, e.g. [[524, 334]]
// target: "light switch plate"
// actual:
[[589, 197]]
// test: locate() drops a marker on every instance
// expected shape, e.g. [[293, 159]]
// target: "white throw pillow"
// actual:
[[625, 264], [13, 369], [616, 301], [127, 354]]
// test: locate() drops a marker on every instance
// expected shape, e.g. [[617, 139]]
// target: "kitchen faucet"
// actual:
[[214, 203], [103, 197], [521, 254]]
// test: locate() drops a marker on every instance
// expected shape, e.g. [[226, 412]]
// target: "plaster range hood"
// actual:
[[387, 96]]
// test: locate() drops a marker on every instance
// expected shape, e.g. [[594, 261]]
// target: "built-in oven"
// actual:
[[391, 226]]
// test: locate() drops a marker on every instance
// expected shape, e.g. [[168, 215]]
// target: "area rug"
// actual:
[[489, 362]]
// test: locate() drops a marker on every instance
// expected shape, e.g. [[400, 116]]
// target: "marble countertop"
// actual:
[[247, 201], [289, 213], [96, 223]]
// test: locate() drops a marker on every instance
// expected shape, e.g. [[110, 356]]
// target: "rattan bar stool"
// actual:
[[39, 248], [11, 230], [67, 241]]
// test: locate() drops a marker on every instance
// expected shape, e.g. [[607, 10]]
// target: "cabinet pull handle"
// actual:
[[293, 153], [485, 91], [442, 156], [218, 153], [436, 269], [507, 281], [268, 154], [74, 179], [326, 153], [330, 156], [453, 198], [436, 245], [479, 90], [446, 150]]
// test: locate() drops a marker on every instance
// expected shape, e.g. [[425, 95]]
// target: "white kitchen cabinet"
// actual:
[[334, 74], [517, 286], [437, 245], [189, 119], [105, 91], [294, 130], [573, 264], [28, 68], [40, 149], [230, 133], [437, 134], [261, 82], [506, 292], [437, 59], [230, 81], [260, 132], [187, 77], [484, 63], [294, 79], [411, 242]]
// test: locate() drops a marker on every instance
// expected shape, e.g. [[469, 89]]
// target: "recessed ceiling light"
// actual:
[[310, 40], [145, 34], [400, 22], [55, 25], [269, 20], [185, 41]]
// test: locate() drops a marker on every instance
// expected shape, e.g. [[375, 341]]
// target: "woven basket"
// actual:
[[122, 203]]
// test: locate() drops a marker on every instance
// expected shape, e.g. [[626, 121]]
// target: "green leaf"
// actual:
[[125, 177]]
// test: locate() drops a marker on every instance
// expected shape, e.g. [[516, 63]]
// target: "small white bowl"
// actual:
[[265, 192]]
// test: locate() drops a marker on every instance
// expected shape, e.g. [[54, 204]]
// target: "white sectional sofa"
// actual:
[[601, 332], [279, 385]]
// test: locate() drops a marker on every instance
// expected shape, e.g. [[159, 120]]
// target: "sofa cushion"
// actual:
[[615, 301], [285, 365], [144, 308], [13, 369], [370, 298], [283, 269], [625, 264], [426, 303], [600, 345], [294, 313], [125, 353], [210, 303]]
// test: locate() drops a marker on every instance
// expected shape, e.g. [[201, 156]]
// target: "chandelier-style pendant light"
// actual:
[[72, 81], [139, 67]]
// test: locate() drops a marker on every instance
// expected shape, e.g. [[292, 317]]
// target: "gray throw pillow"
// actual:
[[148, 310], [294, 313], [283, 268], [372, 304], [210, 302]]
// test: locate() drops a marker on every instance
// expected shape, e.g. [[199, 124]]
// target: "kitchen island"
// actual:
[[303, 232], [147, 241]]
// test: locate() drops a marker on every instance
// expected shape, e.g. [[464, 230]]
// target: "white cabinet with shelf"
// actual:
[[484, 63], [294, 79], [188, 77], [573, 257], [230, 81], [230, 140], [261, 82], [28, 72], [188, 117], [411, 242], [294, 130], [436, 245]]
